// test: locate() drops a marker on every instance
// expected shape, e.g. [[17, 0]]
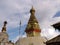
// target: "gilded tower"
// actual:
[[32, 28], [4, 33], [33, 32], [4, 36]]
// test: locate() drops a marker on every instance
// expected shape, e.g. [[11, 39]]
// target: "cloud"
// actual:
[[49, 33], [12, 11], [15, 10]]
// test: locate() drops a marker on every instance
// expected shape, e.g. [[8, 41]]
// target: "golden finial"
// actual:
[[5, 22], [32, 9], [4, 26]]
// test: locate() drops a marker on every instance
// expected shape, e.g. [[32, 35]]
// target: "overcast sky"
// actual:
[[47, 13]]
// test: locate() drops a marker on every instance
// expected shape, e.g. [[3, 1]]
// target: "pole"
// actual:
[[19, 31]]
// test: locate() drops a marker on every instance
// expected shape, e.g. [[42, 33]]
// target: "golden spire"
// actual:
[[32, 28], [4, 26], [32, 10]]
